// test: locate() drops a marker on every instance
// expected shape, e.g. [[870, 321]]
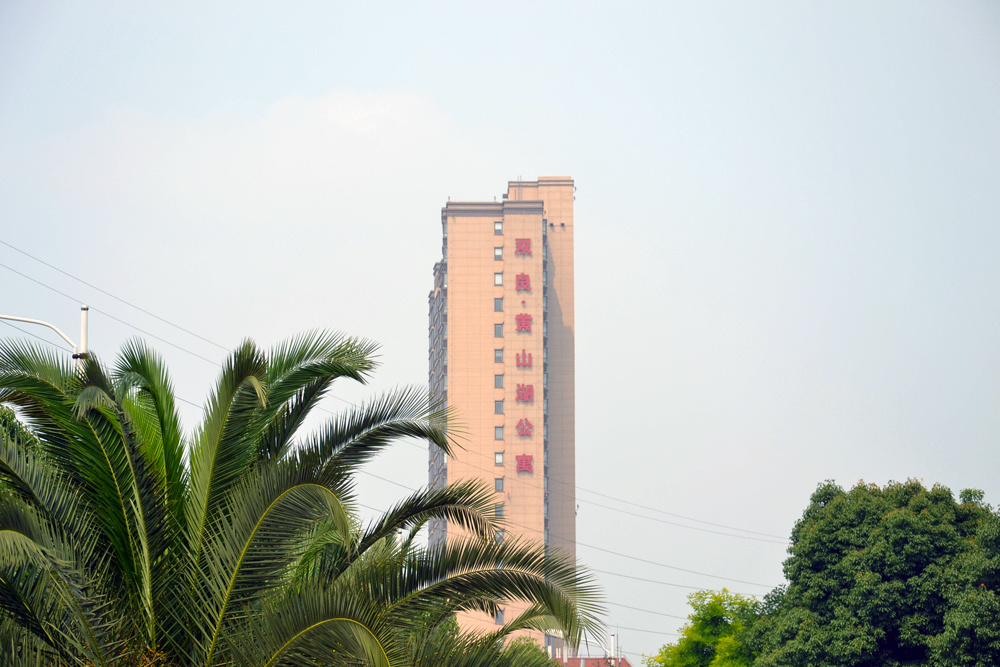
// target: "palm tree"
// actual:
[[122, 542]]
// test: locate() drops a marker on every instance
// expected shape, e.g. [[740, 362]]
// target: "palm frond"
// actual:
[[251, 544], [470, 573], [317, 626]]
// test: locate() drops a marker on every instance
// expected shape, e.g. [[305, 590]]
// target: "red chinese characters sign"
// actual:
[[523, 359], [525, 393], [525, 428], [524, 463], [523, 321], [522, 246], [522, 282]]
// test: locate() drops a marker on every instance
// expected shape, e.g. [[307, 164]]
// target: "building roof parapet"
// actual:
[[524, 208], [468, 209]]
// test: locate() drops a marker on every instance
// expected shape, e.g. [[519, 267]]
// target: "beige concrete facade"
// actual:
[[502, 357]]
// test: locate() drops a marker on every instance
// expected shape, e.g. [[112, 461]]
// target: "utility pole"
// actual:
[[80, 352]]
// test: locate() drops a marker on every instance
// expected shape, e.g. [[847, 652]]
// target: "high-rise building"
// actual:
[[502, 357]]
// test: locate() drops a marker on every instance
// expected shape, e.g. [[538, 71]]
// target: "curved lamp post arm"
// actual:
[[77, 352]]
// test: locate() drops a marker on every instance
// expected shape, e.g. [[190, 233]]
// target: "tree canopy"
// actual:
[[714, 635], [888, 576], [891, 576]]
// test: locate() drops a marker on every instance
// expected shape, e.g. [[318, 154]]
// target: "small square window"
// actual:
[[498, 483], [498, 227], [498, 618], [498, 458], [498, 510], [498, 407], [498, 356], [499, 535], [498, 253], [498, 435], [498, 382], [498, 279], [498, 305], [498, 330]]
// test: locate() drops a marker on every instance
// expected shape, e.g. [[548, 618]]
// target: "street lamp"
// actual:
[[78, 352]]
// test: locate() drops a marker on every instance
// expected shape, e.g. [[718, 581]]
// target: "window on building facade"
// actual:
[[500, 535], [498, 253], [498, 305], [498, 356], [498, 407], [498, 227], [498, 330], [498, 484], [498, 458], [498, 510], [498, 619], [498, 434], [498, 279], [498, 381]]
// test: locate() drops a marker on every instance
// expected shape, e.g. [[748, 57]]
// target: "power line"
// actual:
[[108, 315], [647, 611], [652, 632], [672, 567], [681, 525], [662, 583], [538, 487], [218, 365], [678, 516], [609, 551], [116, 298], [26, 332]]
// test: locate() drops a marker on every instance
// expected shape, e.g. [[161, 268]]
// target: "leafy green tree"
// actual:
[[714, 635], [123, 542], [899, 575]]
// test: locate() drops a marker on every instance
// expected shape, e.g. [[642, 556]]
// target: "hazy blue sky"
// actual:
[[786, 221]]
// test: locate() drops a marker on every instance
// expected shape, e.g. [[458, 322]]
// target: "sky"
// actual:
[[786, 231]]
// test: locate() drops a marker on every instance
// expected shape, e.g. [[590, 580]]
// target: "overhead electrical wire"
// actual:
[[414, 444], [116, 298], [36, 336], [647, 611], [218, 365], [609, 551]]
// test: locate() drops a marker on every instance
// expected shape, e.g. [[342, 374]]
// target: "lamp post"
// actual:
[[78, 352]]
